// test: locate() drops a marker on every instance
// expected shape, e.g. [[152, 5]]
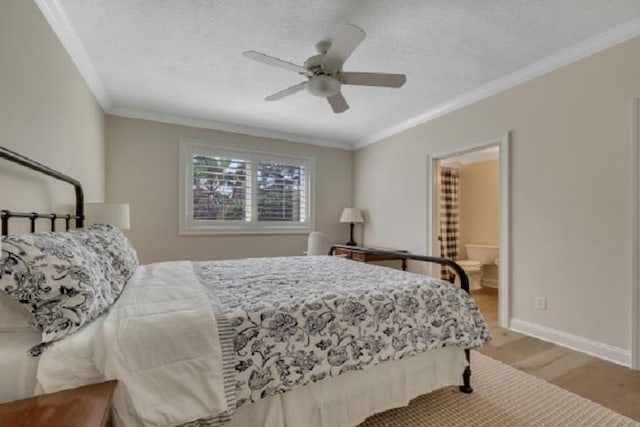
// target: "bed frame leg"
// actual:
[[466, 375]]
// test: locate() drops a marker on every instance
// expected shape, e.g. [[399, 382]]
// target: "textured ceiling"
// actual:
[[184, 57]]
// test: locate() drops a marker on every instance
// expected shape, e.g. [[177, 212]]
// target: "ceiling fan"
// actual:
[[324, 71]]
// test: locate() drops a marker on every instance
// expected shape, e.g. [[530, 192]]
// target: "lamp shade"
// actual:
[[116, 214], [351, 215]]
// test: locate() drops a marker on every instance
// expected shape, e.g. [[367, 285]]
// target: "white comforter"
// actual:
[[159, 340]]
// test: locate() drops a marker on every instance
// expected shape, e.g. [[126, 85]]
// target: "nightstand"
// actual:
[[361, 256], [87, 406]]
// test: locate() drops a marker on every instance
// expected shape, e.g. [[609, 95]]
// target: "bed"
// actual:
[[315, 341]]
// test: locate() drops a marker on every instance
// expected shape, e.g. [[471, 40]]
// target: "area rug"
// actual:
[[502, 396]]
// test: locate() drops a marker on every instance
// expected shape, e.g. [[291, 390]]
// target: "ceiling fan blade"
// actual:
[[374, 79], [338, 103], [286, 92], [344, 41], [276, 62]]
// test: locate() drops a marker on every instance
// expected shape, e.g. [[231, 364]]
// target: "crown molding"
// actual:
[[59, 22], [62, 27], [598, 43], [227, 127]]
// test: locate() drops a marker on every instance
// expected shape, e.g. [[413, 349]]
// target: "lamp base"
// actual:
[[351, 242]]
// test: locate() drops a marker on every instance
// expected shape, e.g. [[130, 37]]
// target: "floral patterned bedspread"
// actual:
[[297, 320]]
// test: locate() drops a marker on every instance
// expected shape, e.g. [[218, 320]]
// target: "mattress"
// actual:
[[17, 368]]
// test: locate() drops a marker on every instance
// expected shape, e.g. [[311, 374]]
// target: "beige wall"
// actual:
[[571, 161], [479, 206], [142, 169], [46, 112]]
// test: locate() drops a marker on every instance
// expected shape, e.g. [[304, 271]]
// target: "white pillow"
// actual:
[[13, 316]]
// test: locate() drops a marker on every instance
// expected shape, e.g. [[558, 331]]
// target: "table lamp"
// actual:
[[352, 216]]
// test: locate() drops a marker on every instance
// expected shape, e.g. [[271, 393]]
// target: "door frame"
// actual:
[[433, 221], [635, 251]]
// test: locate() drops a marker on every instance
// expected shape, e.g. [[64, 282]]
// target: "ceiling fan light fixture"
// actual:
[[323, 86]]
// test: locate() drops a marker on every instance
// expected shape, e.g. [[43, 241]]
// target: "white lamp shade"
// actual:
[[351, 215], [116, 214]]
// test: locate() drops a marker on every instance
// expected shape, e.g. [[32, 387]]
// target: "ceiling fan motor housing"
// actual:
[[323, 86]]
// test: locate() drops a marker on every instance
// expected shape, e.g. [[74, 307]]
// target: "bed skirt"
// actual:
[[348, 399]]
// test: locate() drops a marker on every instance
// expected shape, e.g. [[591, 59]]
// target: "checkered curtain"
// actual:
[[449, 219]]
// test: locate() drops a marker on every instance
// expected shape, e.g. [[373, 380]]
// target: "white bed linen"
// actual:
[[17, 368], [159, 340], [348, 399]]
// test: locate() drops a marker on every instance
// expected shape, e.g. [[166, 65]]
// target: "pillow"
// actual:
[[116, 254], [13, 316], [66, 279]]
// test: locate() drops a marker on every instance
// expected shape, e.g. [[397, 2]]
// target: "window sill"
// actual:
[[205, 231]]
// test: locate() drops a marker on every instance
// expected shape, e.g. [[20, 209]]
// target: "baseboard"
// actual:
[[574, 342], [492, 283]]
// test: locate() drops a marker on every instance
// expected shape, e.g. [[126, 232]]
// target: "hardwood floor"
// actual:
[[606, 383]]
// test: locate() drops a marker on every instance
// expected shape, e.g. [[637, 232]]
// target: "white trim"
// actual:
[[433, 220], [490, 153], [492, 283], [59, 22], [243, 231], [504, 270], [595, 44], [635, 250], [186, 226], [574, 342], [432, 201], [228, 127]]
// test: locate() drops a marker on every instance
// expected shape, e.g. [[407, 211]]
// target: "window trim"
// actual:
[[187, 226]]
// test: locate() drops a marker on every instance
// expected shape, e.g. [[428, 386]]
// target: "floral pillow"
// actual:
[[119, 258], [66, 279]]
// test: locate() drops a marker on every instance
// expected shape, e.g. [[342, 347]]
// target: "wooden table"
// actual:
[[362, 256], [87, 406]]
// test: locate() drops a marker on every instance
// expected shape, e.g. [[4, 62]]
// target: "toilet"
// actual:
[[479, 255], [474, 272]]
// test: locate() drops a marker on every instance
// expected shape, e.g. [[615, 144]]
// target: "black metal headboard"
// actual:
[[5, 215]]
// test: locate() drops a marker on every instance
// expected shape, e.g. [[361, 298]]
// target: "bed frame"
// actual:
[[464, 283], [6, 215]]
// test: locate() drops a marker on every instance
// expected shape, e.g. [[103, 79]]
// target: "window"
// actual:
[[233, 191]]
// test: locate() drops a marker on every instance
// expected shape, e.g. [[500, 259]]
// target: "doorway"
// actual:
[[468, 220]]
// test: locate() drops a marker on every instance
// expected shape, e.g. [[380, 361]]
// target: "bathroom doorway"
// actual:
[[468, 220]]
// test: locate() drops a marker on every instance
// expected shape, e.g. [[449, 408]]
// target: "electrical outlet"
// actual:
[[540, 303]]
